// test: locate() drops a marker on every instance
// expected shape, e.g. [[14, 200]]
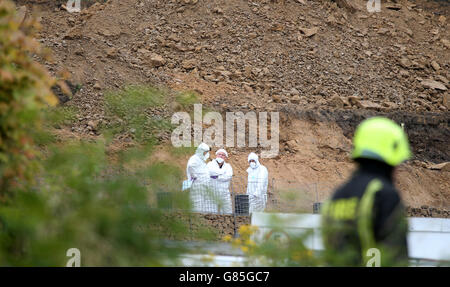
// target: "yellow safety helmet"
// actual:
[[381, 139]]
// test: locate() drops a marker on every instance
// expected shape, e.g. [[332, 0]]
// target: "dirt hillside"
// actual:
[[324, 67]]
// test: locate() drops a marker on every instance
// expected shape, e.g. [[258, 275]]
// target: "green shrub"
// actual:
[[187, 99], [130, 110], [60, 116], [85, 201], [182, 151], [25, 88]]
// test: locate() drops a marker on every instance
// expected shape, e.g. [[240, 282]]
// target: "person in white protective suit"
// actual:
[[258, 179], [220, 173], [202, 199]]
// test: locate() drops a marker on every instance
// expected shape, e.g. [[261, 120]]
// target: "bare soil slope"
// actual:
[[324, 67]]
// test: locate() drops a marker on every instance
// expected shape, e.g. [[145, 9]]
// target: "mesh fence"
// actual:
[[283, 196], [293, 196], [233, 198]]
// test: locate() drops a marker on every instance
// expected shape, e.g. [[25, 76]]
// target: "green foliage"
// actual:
[[290, 253], [87, 202], [182, 151], [25, 88], [280, 247], [187, 99], [53, 118], [60, 116], [82, 197], [42, 137], [277, 248], [136, 99], [141, 111], [130, 111]]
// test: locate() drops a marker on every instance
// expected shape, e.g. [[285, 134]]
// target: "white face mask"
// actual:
[[206, 156], [253, 164], [219, 160]]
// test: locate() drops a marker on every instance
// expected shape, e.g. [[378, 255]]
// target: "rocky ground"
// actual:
[[323, 66], [305, 54]]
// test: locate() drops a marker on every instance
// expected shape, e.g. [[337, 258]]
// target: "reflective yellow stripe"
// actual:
[[341, 209], [365, 219]]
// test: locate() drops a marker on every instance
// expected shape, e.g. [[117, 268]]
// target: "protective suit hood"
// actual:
[[253, 156], [201, 149]]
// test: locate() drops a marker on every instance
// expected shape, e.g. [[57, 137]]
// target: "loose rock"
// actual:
[[157, 60], [435, 66], [431, 84], [309, 32], [445, 166]]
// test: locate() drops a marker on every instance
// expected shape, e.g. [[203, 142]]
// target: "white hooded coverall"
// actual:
[[258, 179], [220, 183], [202, 198]]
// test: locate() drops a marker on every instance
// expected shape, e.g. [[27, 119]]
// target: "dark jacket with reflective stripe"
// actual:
[[366, 212]]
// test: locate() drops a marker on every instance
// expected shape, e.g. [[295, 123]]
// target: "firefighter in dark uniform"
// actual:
[[365, 217]]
